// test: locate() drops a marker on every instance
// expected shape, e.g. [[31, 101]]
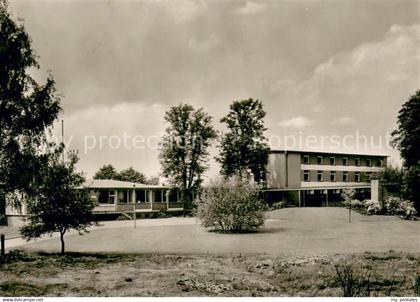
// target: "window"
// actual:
[[319, 176], [111, 196], [369, 162], [357, 177], [368, 176], [306, 159], [319, 160], [357, 161], [345, 176], [306, 175], [332, 176], [345, 161], [379, 163], [332, 160]]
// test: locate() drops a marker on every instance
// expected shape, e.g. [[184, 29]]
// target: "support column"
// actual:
[[326, 197], [300, 192]]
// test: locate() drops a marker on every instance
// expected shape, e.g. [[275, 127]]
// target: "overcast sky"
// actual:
[[320, 67]]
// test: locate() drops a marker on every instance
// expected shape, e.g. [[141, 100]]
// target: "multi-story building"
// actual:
[[308, 178]]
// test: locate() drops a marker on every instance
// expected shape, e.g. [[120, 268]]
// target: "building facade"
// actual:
[[115, 198], [308, 178]]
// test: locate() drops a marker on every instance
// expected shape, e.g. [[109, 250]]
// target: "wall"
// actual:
[[278, 170]]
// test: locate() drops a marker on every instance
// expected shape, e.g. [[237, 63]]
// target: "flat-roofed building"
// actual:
[[310, 178]]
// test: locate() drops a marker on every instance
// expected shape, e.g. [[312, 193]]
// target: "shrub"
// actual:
[[355, 204], [392, 205], [278, 205], [232, 205], [372, 207], [407, 210], [400, 207], [352, 280]]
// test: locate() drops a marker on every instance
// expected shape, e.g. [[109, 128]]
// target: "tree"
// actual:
[[131, 175], [106, 172], [348, 195], [153, 180], [407, 140], [27, 108], [232, 205], [185, 146], [60, 203], [244, 150]]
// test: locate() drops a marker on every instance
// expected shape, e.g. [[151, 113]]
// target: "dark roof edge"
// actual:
[[326, 152]]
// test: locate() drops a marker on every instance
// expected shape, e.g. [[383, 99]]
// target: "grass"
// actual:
[[79, 274]]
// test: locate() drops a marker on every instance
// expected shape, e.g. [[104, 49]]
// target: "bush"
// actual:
[[372, 207], [278, 205], [407, 210], [355, 204], [400, 207], [352, 280], [231, 205], [392, 205]]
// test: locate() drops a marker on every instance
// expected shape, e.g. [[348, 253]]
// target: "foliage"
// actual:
[[372, 207], [400, 207], [106, 172], [130, 174], [392, 206], [232, 205], [352, 280], [348, 194], [27, 108], [278, 205], [411, 185], [185, 146], [153, 180], [407, 140], [244, 150], [59, 203]]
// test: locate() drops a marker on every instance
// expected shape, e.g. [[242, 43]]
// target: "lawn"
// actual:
[[294, 254], [295, 231]]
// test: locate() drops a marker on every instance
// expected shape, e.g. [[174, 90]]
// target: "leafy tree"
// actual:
[[106, 172], [407, 140], [27, 108], [131, 175], [185, 146], [154, 180], [59, 203], [244, 150]]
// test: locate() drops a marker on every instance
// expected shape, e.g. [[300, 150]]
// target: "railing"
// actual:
[[143, 206], [159, 206], [175, 205], [129, 207], [125, 207], [104, 208]]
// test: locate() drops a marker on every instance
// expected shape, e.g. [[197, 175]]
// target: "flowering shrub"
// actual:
[[407, 210], [232, 205], [355, 204], [392, 205], [372, 207]]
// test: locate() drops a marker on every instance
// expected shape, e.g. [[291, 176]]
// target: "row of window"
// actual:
[[344, 160], [333, 176]]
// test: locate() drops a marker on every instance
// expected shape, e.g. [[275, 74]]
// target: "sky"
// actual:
[[322, 69]]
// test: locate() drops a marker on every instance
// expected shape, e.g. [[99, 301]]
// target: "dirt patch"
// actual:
[[34, 274]]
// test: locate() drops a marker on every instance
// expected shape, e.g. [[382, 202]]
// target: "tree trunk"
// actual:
[[62, 241]]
